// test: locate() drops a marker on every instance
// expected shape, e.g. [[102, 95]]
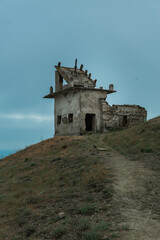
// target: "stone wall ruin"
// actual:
[[121, 116]]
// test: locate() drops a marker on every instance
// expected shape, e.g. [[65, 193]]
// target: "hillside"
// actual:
[[144, 138], [56, 188], [81, 188]]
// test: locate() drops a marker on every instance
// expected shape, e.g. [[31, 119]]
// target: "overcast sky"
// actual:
[[118, 41]]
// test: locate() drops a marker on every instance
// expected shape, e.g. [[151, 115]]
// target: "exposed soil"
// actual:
[[136, 198]]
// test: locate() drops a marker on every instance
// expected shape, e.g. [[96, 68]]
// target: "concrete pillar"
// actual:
[[101, 102], [89, 75], [86, 71], [81, 67], [111, 87], [51, 90], [58, 82]]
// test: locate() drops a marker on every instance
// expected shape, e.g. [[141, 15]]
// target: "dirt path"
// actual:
[[130, 181]]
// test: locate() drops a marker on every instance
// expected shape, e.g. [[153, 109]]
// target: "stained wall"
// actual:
[[64, 105]]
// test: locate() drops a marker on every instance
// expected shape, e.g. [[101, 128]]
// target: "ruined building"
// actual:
[[80, 107]]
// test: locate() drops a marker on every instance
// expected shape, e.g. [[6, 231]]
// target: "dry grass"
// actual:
[[143, 138], [63, 174]]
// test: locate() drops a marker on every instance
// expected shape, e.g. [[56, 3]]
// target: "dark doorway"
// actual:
[[124, 121], [90, 122]]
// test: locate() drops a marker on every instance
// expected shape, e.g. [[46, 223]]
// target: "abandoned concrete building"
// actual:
[[80, 107]]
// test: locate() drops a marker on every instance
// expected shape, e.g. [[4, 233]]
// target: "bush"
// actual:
[[59, 231], [83, 224], [87, 209], [107, 192], [115, 235], [21, 221], [147, 150], [33, 164], [17, 237], [26, 160], [91, 235], [25, 212], [29, 230], [125, 227], [102, 226], [31, 200]]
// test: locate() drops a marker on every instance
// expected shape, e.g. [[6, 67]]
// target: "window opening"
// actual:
[[70, 117], [124, 121], [59, 118]]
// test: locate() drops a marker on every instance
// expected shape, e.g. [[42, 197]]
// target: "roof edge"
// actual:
[[55, 94]]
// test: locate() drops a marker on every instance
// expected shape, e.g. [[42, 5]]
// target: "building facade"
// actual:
[[80, 107]]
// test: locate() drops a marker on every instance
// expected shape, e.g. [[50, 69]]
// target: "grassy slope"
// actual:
[[144, 138], [64, 174]]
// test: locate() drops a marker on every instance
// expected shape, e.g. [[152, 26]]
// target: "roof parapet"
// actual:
[[89, 76], [51, 90], [81, 67], [111, 87], [75, 67], [86, 71]]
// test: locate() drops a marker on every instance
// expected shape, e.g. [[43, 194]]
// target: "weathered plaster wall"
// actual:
[[90, 103], [66, 104], [83, 101]]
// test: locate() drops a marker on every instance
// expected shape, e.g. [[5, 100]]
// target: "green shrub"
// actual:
[[26, 212], [125, 227], [26, 160], [87, 209], [102, 226], [107, 192], [17, 237], [33, 164], [31, 200], [91, 235], [59, 231], [83, 224], [21, 221], [147, 150], [115, 235], [29, 230]]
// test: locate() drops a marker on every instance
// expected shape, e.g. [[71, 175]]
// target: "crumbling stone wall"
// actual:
[[119, 116]]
